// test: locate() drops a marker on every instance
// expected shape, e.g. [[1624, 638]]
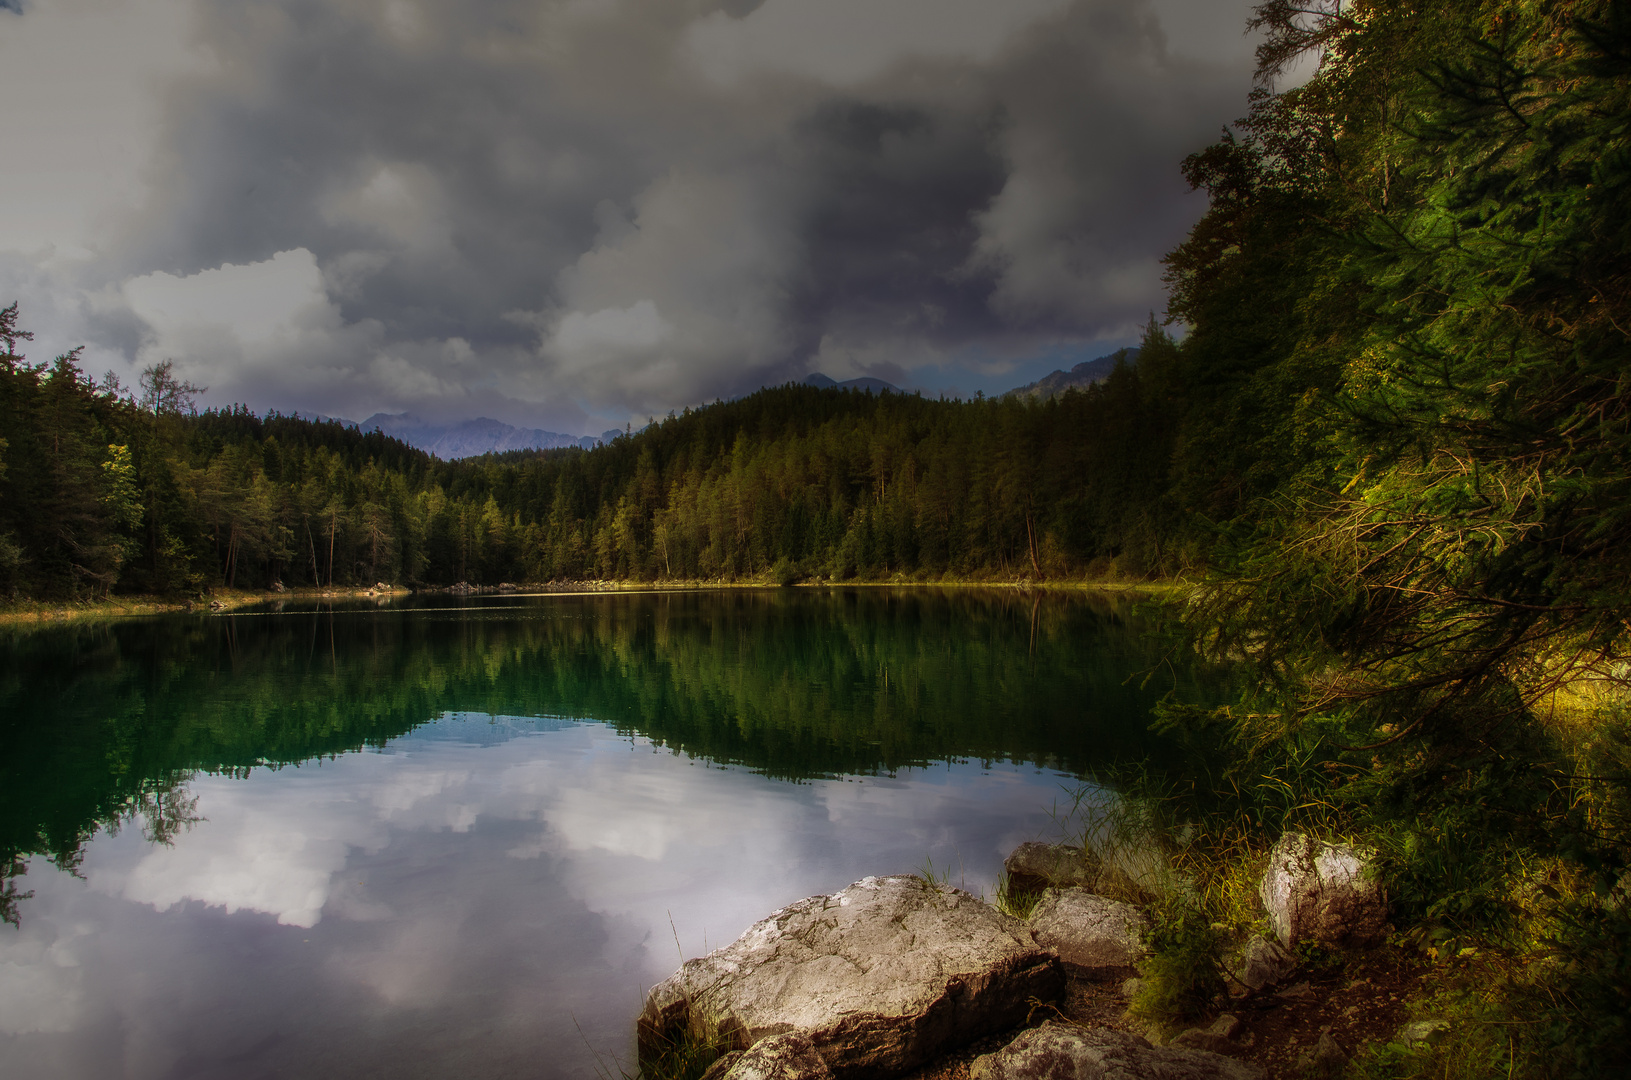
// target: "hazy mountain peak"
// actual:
[[1079, 377], [877, 386], [470, 438]]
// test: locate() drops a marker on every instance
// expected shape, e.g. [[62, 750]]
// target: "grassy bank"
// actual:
[[42, 611], [1508, 893]]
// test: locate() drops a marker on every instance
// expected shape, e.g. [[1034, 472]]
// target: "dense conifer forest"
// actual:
[[106, 490], [1389, 436]]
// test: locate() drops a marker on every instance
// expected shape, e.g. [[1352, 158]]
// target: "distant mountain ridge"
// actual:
[[469, 438], [484, 435], [875, 385], [1079, 377]]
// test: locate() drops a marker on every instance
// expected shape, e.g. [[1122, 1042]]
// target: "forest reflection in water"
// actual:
[[547, 782]]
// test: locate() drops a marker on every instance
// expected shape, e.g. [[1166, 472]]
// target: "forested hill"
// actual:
[[106, 490]]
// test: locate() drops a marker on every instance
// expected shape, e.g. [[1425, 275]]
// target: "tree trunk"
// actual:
[[1030, 540]]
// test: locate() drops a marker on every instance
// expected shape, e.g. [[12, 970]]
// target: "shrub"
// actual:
[[1183, 971]]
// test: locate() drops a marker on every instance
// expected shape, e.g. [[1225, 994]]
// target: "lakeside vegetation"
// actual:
[[1416, 264], [1394, 444]]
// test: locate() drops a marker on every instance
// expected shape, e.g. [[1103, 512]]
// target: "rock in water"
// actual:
[[880, 977], [1088, 932], [1035, 866], [1057, 1051], [1315, 891]]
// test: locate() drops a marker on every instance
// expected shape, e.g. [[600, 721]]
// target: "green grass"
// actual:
[[677, 1056], [934, 878], [1018, 903]]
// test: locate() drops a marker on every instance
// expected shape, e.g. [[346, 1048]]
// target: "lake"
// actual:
[[437, 837]]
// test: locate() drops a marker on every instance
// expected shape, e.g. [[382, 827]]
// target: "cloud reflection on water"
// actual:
[[460, 902]]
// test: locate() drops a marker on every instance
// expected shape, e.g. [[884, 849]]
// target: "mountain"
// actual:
[[469, 438], [877, 386], [1079, 377]]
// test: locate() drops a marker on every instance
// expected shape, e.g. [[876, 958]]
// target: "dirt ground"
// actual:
[[1359, 1004]]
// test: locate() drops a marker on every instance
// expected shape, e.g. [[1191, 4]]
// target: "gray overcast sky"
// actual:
[[570, 213]]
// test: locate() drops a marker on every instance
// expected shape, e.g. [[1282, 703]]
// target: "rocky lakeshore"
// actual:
[[903, 977]]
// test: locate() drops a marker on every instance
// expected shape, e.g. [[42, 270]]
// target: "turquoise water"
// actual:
[[431, 838]]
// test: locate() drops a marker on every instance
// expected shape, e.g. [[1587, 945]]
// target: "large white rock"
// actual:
[[879, 977], [1088, 932], [1322, 892], [1057, 1051]]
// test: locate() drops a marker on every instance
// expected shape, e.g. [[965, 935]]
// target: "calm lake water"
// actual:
[[444, 839]]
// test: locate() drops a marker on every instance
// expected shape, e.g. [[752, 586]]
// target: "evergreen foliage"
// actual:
[[109, 491], [1422, 524]]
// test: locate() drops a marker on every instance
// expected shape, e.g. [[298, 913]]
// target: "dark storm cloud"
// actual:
[[433, 168], [1101, 115], [890, 221], [580, 203]]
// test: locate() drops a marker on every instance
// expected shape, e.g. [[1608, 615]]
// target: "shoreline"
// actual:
[[221, 601]]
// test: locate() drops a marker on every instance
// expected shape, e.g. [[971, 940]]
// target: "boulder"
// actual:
[[1089, 933], [1264, 963], [1117, 854], [1218, 1038], [780, 1057], [879, 977], [1036, 866], [1422, 1031], [1057, 1051], [1302, 991], [1322, 892], [1326, 1060], [1620, 893]]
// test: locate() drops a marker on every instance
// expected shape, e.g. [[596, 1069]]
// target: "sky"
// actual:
[[573, 214]]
